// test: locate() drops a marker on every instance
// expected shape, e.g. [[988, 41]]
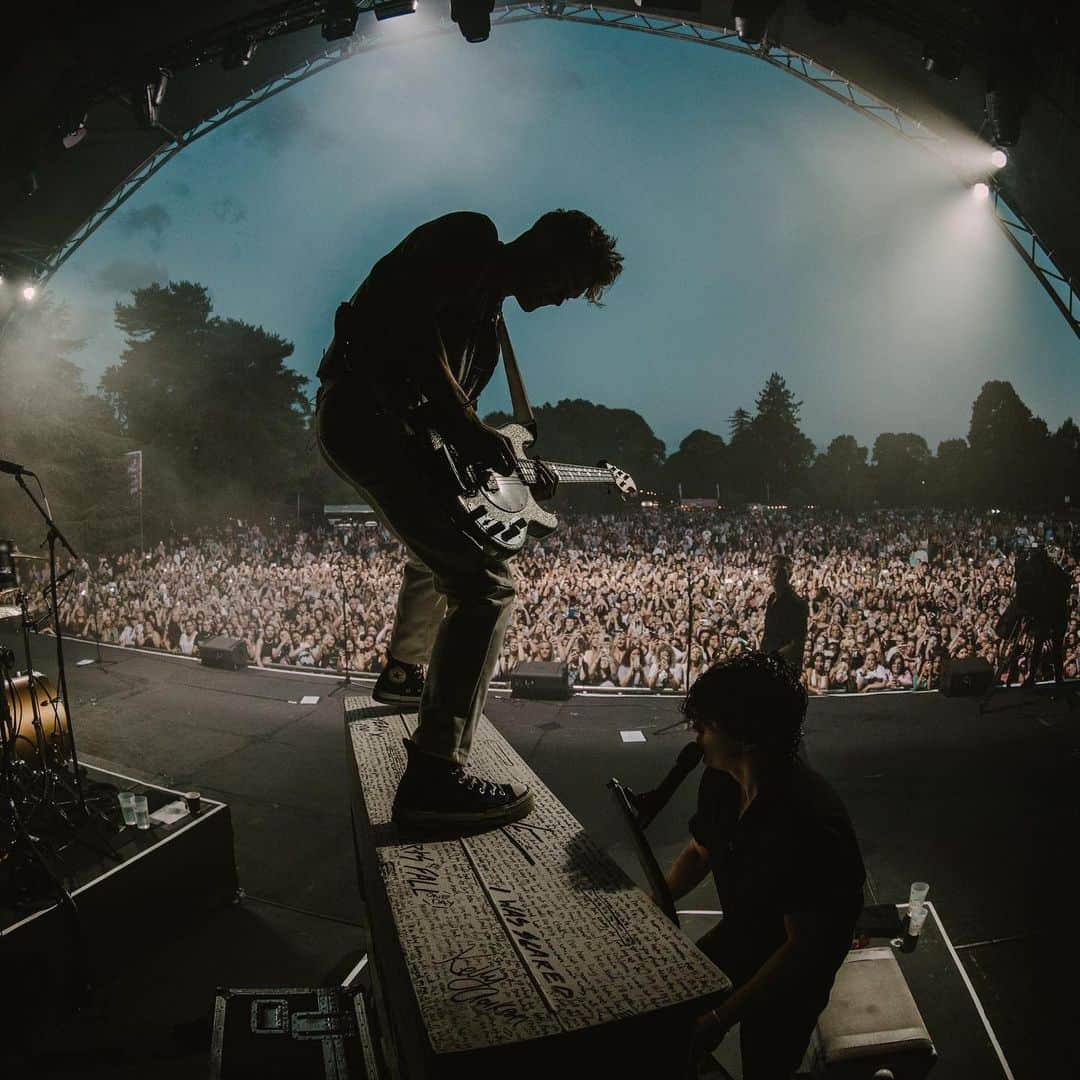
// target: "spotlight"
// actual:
[[999, 159], [29, 292], [941, 60], [391, 9], [238, 51], [473, 18], [752, 19], [154, 95], [74, 137], [981, 191], [339, 19], [1004, 111]]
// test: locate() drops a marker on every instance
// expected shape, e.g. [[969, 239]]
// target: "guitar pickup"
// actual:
[[510, 532]]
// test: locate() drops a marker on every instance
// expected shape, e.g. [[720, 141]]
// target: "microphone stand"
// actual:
[[54, 534], [95, 603]]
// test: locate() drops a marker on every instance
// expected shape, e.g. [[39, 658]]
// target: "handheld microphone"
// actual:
[[13, 469], [650, 803]]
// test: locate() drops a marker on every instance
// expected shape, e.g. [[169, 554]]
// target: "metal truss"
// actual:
[[1008, 217]]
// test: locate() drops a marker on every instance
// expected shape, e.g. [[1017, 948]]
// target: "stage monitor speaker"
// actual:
[[541, 680], [224, 652], [967, 677]]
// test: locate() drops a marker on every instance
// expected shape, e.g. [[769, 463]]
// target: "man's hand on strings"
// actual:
[[547, 481], [488, 446]]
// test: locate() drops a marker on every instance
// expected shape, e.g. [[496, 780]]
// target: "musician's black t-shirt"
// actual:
[[785, 620], [793, 851], [437, 273]]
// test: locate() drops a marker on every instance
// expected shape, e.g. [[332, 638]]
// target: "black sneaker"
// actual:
[[399, 684], [436, 795]]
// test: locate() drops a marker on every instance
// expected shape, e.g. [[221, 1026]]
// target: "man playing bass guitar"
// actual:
[[412, 350]]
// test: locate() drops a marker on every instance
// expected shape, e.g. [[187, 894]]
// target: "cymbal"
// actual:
[[23, 555]]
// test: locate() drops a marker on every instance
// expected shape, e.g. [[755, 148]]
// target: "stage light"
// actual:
[[941, 60], [238, 51], [752, 19], [339, 19], [981, 191], [1004, 112], [473, 18], [391, 9], [74, 137], [29, 292], [999, 159], [154, 95]]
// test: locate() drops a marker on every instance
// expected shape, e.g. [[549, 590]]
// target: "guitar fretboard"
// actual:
[[567, 474]]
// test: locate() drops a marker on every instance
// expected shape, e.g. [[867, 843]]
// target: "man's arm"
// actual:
[[787, 963], [689, 869]]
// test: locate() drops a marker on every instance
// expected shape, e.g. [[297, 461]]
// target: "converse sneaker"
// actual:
[[399, 684], [437, 795]]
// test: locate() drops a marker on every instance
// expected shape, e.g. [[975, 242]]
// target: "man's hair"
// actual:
[[588, 246], [756, 699], [783, 561]]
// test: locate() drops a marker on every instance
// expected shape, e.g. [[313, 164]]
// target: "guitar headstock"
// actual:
[[623, 480]]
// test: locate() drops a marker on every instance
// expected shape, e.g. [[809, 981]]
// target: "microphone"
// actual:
[[650, 803], [13, 469]]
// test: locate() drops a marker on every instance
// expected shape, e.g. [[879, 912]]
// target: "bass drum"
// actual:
[[21, 711]]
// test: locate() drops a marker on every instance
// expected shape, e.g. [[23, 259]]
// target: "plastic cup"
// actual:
[[142, 812], [194, 802], [127, 806], [917, 897], [916, 918]]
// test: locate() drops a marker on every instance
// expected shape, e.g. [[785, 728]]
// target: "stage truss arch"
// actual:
[[1021, 236]]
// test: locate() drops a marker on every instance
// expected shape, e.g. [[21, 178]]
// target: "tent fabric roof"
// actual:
[[95, 60]]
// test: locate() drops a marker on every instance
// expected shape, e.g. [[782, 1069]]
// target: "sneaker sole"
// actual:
[[388, 697], [438, 820]]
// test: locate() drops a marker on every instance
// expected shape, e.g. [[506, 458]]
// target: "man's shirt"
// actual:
[[437, 278], [786, 614], [794, 850]]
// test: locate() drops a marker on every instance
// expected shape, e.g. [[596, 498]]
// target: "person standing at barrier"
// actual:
[[786, 615], [421, 337], [783, 855]]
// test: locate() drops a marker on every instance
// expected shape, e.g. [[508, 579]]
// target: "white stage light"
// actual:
[[981, 191], [29, 292], [999, 159]]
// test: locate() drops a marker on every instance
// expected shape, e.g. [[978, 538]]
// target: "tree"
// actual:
[[1008, 448], [1063, 466], [900, 468], [699, 465], [782, 452], [582, 433], [222, 422], [840, 476], [67, 436], [949, 479]]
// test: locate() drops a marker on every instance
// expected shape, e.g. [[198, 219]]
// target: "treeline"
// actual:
[[225, 427]]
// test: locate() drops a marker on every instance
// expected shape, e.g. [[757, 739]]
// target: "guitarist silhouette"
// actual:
[[411, 353]]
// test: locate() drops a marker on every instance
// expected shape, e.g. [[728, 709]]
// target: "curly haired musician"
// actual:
[[421, 333], [783, 855]]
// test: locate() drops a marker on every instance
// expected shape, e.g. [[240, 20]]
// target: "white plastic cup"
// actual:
[[127, 806], [916, 918], [142, 812], [917, 897]]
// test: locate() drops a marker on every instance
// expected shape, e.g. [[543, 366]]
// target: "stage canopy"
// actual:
[[101, 96]]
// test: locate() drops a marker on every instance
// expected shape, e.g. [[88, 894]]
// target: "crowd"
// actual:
[[647, 599]]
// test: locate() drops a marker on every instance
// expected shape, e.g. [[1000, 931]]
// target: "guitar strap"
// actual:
[[523, 413]]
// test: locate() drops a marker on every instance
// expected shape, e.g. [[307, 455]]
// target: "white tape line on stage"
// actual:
[[971, 990]]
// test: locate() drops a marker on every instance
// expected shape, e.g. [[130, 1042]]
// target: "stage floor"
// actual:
[[984, 807]]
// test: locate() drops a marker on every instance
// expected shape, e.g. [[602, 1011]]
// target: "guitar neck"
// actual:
[[567, 474]]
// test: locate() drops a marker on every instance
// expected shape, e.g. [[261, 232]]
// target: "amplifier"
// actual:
[[224, 652], [541, 680], [970, 676]]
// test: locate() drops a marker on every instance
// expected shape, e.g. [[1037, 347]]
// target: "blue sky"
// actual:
[[764, 227]]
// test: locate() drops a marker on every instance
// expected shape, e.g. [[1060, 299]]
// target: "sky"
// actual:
[[765, 227]]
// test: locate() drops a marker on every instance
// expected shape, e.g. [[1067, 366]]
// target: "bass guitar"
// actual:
[[498, 512]]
